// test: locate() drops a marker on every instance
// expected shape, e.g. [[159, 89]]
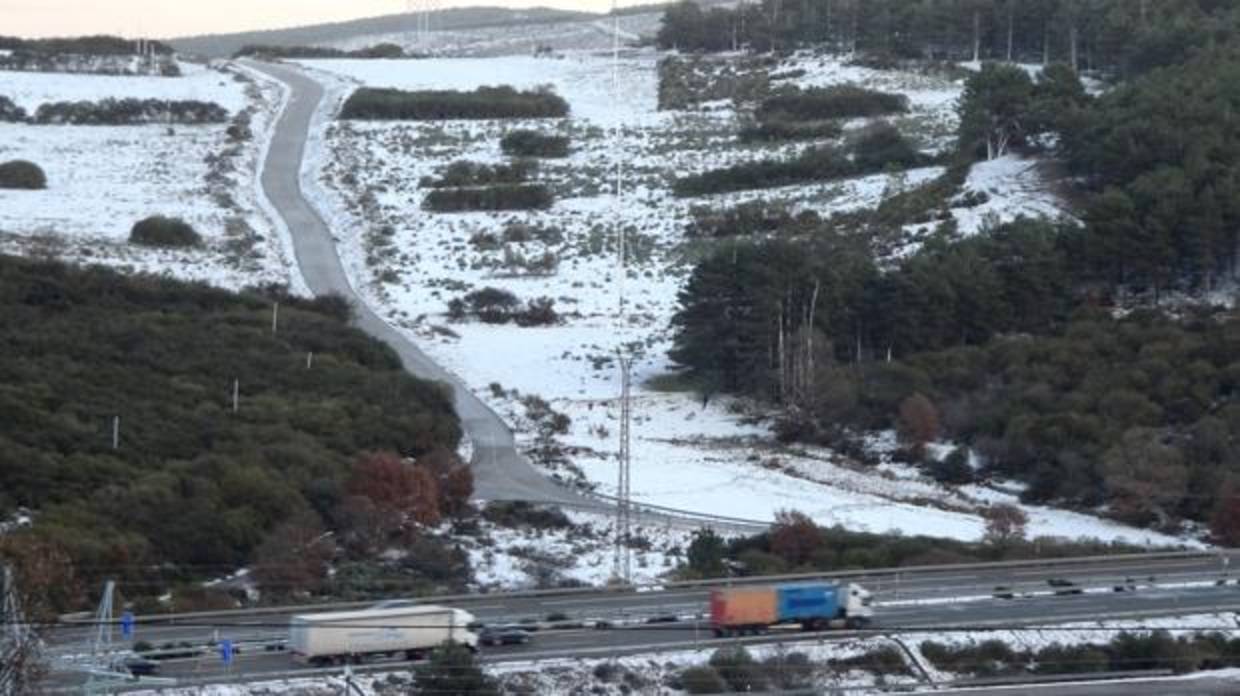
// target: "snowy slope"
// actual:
[[712, 458]]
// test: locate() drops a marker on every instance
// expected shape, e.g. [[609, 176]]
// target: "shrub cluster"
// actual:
[[878, 147], [497, 306], [370, 103], [1156, 650], [779, 130], [842, 101], [465, 174], [735, 670], [528, 143], [745, 220], [21, 174], [517, 515], [10, 112], [119, 112], [160, 231], [503, 197]]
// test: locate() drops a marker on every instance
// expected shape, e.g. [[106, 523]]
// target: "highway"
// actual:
[[909, 601]]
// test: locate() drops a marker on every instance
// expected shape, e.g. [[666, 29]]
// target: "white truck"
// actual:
[[353, 636]]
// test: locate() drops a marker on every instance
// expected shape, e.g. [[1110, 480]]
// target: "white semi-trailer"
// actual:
[[409, 632]]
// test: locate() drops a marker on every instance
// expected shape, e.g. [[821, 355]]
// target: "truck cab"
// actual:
[[858, 607]]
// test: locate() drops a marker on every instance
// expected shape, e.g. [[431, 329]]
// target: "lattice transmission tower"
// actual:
[[20, 648], [424, 13], [623, 562]]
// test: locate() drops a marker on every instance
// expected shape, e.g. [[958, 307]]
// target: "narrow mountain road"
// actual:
[[500, 471]]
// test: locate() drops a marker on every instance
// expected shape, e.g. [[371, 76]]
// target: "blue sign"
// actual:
[[226, 651], [127, 625]]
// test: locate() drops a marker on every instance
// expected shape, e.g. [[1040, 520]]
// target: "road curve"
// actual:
[[500, 471]]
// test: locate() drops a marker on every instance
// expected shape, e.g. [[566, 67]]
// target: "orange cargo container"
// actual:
[[744, 607]]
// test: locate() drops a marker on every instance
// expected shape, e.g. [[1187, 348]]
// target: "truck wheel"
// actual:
[[719, 632]]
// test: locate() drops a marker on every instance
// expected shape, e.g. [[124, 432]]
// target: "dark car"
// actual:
[[137, 665], [1064, 587], [503, 635]]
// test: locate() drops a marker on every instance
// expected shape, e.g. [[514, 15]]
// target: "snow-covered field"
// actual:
[[30, 89], [714, 457], [103, 179]]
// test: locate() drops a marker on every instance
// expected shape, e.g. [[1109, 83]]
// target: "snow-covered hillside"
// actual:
[[103, 179], [508, 40], [713, 457]]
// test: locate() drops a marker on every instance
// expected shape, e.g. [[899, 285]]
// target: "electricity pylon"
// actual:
[[623, 562], [20, 648]]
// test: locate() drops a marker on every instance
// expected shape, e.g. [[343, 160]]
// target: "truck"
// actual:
[[354, 636], [814, 606]]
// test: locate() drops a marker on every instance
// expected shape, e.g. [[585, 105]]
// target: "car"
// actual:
[[136, 665], [1003, 592], [503, 635], [395, 604], [1064, 587]]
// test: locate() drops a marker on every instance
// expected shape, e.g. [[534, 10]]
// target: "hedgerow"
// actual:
[[369, 103], [528, 143], [120, 112], [501, 197]]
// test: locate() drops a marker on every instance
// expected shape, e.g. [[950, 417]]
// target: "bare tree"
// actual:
[[1005, 523]]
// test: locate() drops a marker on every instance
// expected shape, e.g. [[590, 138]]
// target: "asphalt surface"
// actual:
[[913, 622], [907, 602], [500, 472]]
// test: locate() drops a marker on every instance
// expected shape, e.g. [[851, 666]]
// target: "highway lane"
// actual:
[[891, 587], [912, 621]]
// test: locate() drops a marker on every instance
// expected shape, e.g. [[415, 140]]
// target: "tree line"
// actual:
[[1122, 36]]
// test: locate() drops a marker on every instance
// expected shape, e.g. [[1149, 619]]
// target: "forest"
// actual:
[[1126, 37], [161, 431], [1049, 351]]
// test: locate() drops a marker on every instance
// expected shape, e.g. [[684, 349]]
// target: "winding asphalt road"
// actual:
[[500, 471]]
